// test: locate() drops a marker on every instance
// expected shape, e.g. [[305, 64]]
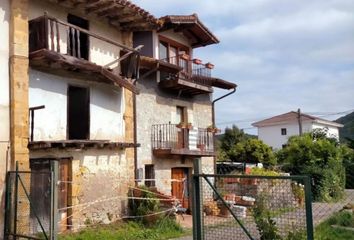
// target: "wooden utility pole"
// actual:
[[299, 121]]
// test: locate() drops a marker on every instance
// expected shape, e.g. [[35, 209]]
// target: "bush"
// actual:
[[348, 162], [253, 151], [265, 224], [147, 205], [321, 158], [264, 172]]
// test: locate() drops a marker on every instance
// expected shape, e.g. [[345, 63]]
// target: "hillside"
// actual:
[[348, 130]]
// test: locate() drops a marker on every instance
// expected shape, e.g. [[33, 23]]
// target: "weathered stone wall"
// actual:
[[99, 184], [19, 82], [158, 107], [277, 192]]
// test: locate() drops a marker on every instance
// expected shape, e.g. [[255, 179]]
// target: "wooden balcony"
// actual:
[[193, 79], [172, 139], [57, 47]]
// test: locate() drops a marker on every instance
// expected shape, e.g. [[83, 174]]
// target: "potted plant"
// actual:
[[184, 125], [209, 65], [197, 61], [184, 56], [213, 129]]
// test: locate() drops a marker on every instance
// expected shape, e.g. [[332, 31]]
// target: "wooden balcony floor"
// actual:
[[57, 63], [79, 144], [182, 152], [187, 87]]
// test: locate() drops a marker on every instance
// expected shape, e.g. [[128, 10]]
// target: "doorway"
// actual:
[[40, 190], [78, 113], [180, 185]]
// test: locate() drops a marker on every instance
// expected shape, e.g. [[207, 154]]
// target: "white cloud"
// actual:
[[283, 54]]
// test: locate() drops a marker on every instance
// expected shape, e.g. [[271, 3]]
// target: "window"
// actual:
[[78, 113], [82, 40], [283, 131], [284, 146], [170, 51], [163, 51], [149, 175]]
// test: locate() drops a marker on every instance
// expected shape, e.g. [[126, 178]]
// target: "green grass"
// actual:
[[165, 229], [325, 231]]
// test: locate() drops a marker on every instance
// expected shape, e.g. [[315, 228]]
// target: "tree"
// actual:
[[228, 141], [231, 137], [319, 157], [253, 151]]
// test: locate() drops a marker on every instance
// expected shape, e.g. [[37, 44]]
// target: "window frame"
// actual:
[[169, 43], [283, 131], [151, 169]]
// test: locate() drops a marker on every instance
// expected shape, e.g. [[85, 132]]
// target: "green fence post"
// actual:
[[54, 171], [7, 226], [16, 200], [197, 202], [308, 206]]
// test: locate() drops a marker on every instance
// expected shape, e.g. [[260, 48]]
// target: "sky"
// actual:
[[282, 54]]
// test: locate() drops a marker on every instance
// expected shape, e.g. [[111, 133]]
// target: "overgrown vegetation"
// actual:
[[264, 172], [163, 229], [327, 230], [145, 205], [319, 157], [267, 226], [236, 146]]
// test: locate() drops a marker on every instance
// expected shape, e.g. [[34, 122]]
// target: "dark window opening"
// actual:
[[78, 45], [150, 175], [283, 131], [78, 113]]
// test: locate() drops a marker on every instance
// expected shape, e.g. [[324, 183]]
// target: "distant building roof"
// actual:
[[291, 117], [191, 27]]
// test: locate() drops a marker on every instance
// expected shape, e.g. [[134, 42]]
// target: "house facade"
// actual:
[[174, 106], [275, 131], [70, 77]]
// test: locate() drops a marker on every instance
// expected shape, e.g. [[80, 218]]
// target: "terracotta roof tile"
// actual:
[[190, 23], [291, 117]]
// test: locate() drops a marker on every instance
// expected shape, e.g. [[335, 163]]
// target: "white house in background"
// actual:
[[275, 131]]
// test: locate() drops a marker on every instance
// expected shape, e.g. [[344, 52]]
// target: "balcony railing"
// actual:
[[172, 137], [67, 39], [192, 70]]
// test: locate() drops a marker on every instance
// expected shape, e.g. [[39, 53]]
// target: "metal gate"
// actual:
[[29, 205], [229, 207]]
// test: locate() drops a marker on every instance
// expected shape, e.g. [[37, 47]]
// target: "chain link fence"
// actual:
[[250, 207], [238, 203]]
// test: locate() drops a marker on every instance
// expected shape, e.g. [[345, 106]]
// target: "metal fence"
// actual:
[[253, 207], [28, 205], [234, 204]]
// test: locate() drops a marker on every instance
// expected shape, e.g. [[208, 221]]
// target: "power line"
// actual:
[[318, 114]]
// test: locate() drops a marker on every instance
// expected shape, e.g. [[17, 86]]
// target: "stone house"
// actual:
[[175, 105], [69, 72]]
